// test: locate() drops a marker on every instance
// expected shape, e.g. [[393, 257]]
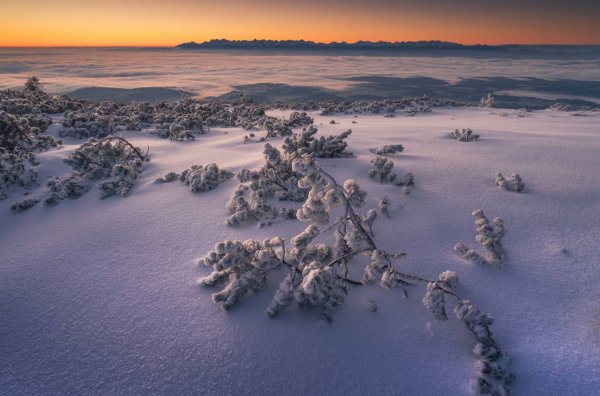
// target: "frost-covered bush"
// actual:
[[168, 178], [389, 149], [21, 136], [282, 178], [299, 119], [14, 171], [317, 272], [515, 183], [111, 158], [383, 204], [64, 188], [493, 371], [276, 126], [306, 142], [32, 101], [464, 135], [86, 123], [242, 266], [202, 178], [489, 236], [24, 204], [18, 135], [179, 133], [383, 171], [488, 101]]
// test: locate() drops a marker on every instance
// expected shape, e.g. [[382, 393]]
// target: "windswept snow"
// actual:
[[100, 296]]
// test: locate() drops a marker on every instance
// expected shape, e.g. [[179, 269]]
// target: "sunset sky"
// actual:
[[167, 23]]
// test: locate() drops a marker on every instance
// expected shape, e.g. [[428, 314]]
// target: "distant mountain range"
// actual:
[[401, 47], [311, 45]]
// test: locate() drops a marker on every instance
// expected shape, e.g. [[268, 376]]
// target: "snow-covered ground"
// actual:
[[100, 296]]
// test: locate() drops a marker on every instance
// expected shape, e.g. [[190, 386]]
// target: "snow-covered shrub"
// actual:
[[386, 107], [179, 132], [515, 183], [242, 266], [19, 141], [318, 272], [168, 178], [299, 119], [24, 204], [305, 142], [113, 158], [203, 178], [383, 204], [489, 236], [488, 101], [493, 371], [17, 135], [90, 122], [282, 177], [435, 297], [464, 135], [13, 171], [389, 149], [248, 204], [276, 126], [382, 170], [64, 188]]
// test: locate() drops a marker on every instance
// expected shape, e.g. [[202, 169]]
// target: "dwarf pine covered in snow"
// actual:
[[489, 236], [488, 101], [16, 169], [168, 178], [112, 158], [24, 204], [383, 171], [60, 188], [318, 272], [389, 149], [464, 135], [515, 184], [435, 297], [383, 204], [493, 372], [24, 134], [204, 178], [242, 266], [21, 136], [305, 142], [284, 177], [179, 133]]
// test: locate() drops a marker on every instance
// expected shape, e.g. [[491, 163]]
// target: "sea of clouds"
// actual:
[[203, 74]]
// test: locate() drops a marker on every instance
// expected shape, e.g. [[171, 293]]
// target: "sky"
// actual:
[[167, 23]]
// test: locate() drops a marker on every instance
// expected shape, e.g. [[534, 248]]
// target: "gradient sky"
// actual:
[[167, 23]]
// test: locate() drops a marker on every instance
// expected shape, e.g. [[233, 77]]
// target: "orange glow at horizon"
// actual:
[[38, 23]]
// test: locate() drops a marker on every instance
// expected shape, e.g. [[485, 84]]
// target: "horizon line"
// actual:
[[170, 46]]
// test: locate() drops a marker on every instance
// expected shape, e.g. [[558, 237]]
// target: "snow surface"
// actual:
[[100, 296]]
